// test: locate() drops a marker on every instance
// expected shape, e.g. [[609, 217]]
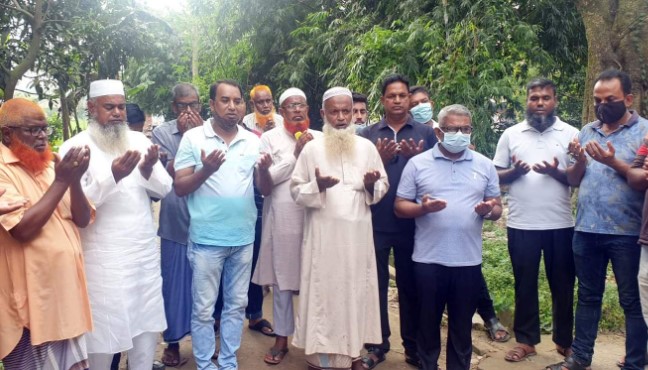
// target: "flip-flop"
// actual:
[[275, 356], [519, 353], [263, 323]]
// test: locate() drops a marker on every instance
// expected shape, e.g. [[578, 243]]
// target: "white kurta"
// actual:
[[283, 220], [122, 258], [338, 303]]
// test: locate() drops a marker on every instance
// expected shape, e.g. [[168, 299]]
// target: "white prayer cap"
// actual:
[[336, 91], [106, 87], [293, 91]]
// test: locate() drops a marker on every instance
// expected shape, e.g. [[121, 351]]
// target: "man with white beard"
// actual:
[[336, 179], [121, 255]]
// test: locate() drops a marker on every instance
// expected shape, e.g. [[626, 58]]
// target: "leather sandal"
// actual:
[[569, 364], [519, 353], [493, 326]]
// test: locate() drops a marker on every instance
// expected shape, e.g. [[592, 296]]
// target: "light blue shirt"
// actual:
[[606, 204], [222, 210], [453, 236]]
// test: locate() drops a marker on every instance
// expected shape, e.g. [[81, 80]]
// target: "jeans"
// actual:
[[208, 264], [591, 255], [254, 309]]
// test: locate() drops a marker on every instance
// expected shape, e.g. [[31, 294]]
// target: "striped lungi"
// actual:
[[68, 354]]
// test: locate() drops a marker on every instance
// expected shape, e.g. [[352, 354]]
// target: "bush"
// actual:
[[501, 284]]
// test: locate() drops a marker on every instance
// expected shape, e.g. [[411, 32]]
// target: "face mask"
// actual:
[[422, 113], [610, 112], [455, 143], [360, 126]]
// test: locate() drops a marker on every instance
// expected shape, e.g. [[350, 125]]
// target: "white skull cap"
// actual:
[[106, 87], [293, 91], [336, 91]]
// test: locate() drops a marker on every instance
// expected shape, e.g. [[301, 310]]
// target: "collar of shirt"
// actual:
[[558, 125], [383, 123], [208, 129], [174, 128], [596, 125], [438, 154]]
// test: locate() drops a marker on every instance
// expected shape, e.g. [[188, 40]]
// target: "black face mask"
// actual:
[[610, 112]]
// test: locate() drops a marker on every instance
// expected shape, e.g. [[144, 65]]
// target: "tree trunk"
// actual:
[[12, 78], [65, 114], [616, 38], [195, 40]]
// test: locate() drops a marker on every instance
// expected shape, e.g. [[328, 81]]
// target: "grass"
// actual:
[[499, 277]]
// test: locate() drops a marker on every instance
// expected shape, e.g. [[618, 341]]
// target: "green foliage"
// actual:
[[499, 277]]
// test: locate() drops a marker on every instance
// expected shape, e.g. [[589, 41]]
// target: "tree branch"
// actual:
[[18, 9]]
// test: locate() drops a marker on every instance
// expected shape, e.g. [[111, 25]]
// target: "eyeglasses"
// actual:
[[36, 130], [294, 106], [454, 130], [185, 106]]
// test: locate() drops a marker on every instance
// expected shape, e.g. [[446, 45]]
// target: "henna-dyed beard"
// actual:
[[33, 160], [294, 127], [262, 119]]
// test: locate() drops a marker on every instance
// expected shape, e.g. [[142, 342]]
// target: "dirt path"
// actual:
[[487, 355]]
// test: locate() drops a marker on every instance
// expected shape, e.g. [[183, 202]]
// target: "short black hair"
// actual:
[[541, 83], [624, 78], [134, 114], [393, 78], [359, 98], [419, 89], [214, 87]]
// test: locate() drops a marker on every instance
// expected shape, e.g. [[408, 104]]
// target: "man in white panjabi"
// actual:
[[121, 254], [283, 220], [336, 179]]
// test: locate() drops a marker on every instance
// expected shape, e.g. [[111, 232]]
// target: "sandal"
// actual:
[[519, 353], [261, 325], [493, 327], [369, 362], [172, 358], [565, 352], [569, 364], [275, 356], [414, 360]]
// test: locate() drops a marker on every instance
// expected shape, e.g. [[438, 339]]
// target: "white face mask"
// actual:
[[455, 143], [422, 113]]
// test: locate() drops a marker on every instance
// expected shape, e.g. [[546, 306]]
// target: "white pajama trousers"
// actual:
[[140, 357], [283, 313]]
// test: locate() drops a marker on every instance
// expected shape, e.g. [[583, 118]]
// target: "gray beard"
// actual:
[[540, 122], [110, 138], [339, 142]]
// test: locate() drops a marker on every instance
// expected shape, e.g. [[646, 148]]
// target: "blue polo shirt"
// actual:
[[453, 236], [383, 217], [606, 204], [222, 210]]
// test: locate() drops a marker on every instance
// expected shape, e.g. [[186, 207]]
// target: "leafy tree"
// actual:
[[616, 38]]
